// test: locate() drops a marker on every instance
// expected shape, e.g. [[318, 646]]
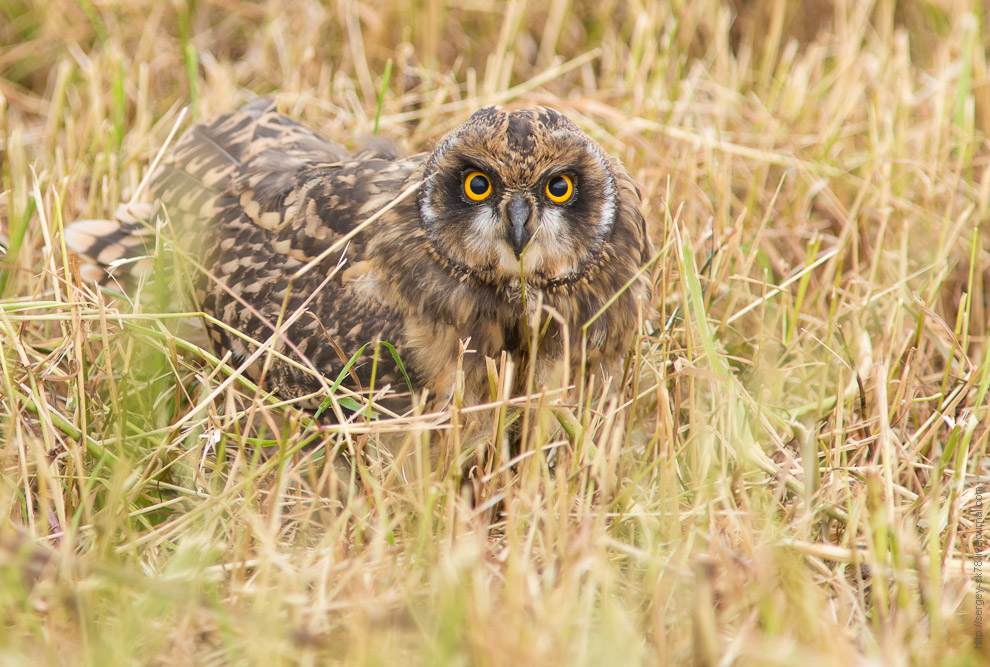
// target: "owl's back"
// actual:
[[251, 199], [260, 167]]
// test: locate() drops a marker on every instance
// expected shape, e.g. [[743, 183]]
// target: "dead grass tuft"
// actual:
[[796, 473]]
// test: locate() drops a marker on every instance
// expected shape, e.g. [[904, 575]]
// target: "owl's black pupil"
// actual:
[[478, 185], [557, 187]]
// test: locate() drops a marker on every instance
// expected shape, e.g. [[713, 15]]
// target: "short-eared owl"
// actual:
[[517, 227]]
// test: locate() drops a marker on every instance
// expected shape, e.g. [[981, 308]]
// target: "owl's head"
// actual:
[[511, 192]]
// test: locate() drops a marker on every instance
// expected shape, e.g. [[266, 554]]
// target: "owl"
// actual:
[[516, 234]]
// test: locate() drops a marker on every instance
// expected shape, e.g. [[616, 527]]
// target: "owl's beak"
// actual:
[[519, 212]]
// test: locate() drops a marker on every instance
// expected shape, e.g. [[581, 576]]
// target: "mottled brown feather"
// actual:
[[255, 196]]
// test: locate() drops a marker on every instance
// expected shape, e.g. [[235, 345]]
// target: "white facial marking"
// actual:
[[533, 259], [426, 209], [485, 230], [551, 227], [507, 260]]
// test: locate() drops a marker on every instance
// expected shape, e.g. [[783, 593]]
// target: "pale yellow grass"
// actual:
[[796, 473]]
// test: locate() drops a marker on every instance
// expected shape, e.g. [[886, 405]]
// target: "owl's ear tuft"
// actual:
[[485, 114], [554, 120]]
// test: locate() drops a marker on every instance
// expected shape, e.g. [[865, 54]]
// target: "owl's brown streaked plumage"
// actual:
[[511, 210]]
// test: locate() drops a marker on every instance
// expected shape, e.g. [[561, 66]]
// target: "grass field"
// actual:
[[796, 474]]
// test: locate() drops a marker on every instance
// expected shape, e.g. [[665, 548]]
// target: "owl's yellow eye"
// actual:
[[477, 186], [560, 188]]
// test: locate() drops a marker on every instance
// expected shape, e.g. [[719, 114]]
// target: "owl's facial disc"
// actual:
[[518, 193]]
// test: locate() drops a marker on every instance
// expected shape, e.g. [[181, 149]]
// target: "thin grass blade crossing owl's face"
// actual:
[[519, 191]]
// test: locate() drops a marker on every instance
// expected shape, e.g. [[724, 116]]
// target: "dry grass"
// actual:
[[796, 473]]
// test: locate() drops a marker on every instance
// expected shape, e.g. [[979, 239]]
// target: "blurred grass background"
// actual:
[[792, 476]]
